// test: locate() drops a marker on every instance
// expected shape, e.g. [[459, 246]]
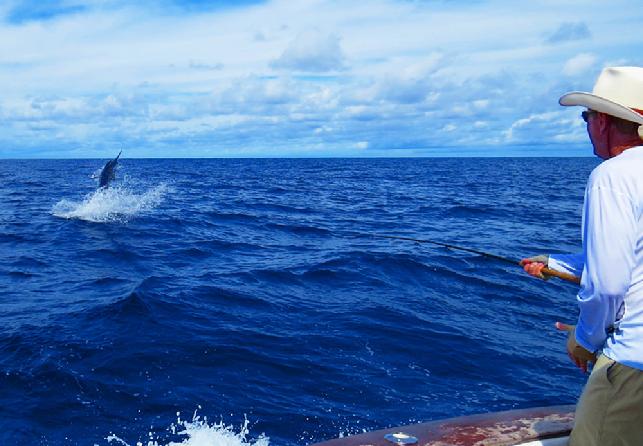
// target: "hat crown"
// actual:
[[622, 85], [618, 92]]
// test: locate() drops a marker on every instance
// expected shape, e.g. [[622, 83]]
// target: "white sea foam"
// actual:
[[119, 203], [199, 432]]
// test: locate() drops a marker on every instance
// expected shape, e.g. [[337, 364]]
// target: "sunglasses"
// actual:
[[586, 114]]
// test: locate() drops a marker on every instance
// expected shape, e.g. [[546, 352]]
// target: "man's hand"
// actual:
[[534, 265], [577, 353]]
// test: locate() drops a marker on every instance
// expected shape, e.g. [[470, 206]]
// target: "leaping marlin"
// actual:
[[109, 172]]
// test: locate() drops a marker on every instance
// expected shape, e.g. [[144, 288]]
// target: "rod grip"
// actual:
[[564, 276]]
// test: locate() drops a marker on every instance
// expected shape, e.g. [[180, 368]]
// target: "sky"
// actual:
[[304, 78]]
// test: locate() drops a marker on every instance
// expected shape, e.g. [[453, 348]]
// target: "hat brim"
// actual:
[[600, 104]]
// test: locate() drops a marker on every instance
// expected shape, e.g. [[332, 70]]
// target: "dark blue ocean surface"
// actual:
[[243, 290]]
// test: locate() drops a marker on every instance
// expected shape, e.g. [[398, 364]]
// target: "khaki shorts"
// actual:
[[610, 409]]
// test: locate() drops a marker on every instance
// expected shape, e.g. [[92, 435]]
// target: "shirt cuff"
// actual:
[[564, 264]]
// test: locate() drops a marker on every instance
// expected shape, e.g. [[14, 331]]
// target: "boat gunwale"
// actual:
[[506, 428]]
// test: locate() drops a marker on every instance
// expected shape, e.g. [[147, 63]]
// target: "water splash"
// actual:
[[200, 433], [114, 204]]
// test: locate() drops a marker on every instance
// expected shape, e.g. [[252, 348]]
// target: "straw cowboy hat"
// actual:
[[618, 92]]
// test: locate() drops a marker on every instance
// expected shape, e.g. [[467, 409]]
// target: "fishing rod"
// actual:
[[545, 271]]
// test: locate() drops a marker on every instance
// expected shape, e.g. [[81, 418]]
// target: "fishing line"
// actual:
[[545, 271]]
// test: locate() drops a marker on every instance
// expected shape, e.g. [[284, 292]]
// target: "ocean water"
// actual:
[[245, 302]]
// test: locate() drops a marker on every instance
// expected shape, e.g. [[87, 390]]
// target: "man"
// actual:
[[609, 332]]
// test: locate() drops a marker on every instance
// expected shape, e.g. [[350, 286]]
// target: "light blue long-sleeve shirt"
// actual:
[[611, 293]]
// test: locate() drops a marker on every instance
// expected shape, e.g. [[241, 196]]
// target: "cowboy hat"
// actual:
[[618, 92]]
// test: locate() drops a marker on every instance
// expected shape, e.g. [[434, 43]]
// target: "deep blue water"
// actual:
[[241, 289]]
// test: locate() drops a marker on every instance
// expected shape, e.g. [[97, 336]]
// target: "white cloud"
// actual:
[[537, 126], [312, 51], [410, 81], [579, 64], [362, 145], [310, 74], [481, 104]]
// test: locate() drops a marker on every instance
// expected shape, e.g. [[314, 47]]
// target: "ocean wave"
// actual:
[[136, 303], [257, 287], [222, 299], [282, 208], [301, 230], [22, 274], [12, 238], [231, 216], [473, 211]]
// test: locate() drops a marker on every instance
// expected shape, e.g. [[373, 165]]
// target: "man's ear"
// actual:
[[603, 123]]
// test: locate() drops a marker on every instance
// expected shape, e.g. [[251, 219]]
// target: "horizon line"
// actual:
[[300, 157]]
